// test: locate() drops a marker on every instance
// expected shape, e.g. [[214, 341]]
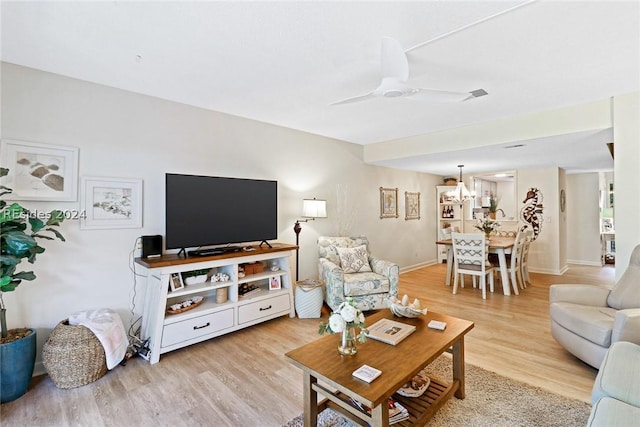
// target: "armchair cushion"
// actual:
[[592, 323], [354, 260], [365, 283]]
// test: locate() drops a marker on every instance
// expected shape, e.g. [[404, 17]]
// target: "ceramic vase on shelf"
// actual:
[[347, 345]]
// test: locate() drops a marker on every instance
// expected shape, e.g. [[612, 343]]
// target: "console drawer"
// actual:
[[263, 308], [196, 327]]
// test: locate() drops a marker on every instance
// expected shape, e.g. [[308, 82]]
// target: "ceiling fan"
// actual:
[[395, 73]]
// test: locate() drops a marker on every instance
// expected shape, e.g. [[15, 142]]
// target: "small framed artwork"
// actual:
[[411, 205], [40, 171], [175, 282], [110, 203], [388, 202], [275, 283]]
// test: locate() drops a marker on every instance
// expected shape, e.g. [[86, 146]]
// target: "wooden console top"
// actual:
[[173, 259]]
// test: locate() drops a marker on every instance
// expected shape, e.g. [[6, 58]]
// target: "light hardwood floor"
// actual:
[[243, 379]]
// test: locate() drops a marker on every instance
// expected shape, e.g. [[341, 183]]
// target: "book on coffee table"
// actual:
[[389, 331]]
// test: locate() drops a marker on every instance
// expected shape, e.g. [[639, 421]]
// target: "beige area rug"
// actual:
[[491, 400]]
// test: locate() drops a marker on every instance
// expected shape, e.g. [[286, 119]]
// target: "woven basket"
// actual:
[[73, 356]]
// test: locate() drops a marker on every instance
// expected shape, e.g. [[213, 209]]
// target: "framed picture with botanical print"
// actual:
[[388, 202], [41, 172], [411, 205], [111, 203]]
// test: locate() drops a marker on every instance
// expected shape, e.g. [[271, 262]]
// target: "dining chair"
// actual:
[[524, 266], [514, 261], [470, 252]]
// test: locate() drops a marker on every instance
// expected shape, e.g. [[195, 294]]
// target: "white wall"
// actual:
[[544, 253], [583, 219], [626, 135], [122, 134]]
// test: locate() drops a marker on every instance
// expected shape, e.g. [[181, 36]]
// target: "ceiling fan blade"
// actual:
[[393, 60], [435, 95], [354, 99]]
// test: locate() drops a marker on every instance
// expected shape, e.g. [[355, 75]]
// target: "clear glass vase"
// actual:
[[348, 341]]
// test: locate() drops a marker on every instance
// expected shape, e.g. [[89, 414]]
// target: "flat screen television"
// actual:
[[209, 211]]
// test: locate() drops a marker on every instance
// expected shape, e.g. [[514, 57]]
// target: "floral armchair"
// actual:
[[348, 270]]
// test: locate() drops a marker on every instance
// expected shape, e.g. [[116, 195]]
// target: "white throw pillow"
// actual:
[[354, 260]]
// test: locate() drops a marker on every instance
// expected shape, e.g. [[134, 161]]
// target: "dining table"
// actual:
[[501, 246]]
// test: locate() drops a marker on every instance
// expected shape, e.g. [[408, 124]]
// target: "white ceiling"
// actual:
[[285, 62]]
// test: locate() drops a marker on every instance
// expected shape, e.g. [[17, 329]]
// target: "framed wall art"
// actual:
[[411, 205], [110, 203], [388, 202], [41, 172]]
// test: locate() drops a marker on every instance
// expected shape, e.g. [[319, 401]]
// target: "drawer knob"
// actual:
[[203, 326], [266, 308]]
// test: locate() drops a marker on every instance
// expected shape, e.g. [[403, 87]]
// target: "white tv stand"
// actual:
[[167, 332]]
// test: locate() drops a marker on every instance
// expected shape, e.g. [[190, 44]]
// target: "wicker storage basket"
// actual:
[[73, 356]]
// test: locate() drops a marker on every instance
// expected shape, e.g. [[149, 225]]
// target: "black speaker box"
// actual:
[[151, 246]]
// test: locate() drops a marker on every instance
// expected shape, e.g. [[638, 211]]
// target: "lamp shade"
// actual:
[[313, 208]]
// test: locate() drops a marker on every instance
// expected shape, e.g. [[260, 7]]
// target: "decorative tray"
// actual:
[[185, 305], [416, 386]]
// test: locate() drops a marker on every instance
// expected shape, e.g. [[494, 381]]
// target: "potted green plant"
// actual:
[[20, 231], [493, 206]]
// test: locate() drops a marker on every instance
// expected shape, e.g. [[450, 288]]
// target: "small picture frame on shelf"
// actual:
[[275, 283], [175, 282]]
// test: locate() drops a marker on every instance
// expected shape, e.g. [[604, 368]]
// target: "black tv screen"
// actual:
[[207, 210]]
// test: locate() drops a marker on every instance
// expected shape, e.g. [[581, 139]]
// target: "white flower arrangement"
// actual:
[[487, 225], [346, 316]]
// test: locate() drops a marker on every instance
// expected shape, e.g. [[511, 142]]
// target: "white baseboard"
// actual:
[[554, 272], [580, 262], [417, 266]]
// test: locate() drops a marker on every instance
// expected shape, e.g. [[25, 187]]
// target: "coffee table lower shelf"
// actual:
[[420, 409]]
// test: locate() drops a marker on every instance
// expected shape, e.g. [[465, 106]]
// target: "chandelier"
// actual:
[[461, 193]]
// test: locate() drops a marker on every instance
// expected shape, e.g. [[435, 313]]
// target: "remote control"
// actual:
[[435, 324]]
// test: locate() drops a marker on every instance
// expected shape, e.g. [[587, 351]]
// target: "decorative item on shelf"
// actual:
[[253, 267], [241, 272], [345, 320], [246, 289], [220, 277], [487, 226], [185, 305], [275, 283], [175, 282], [416, 386], [221, 295], [274, 266], [311, 209], [450, 181], [402, 308], [195, 276]]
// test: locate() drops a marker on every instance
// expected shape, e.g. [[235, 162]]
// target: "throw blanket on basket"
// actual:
[[108, 328]]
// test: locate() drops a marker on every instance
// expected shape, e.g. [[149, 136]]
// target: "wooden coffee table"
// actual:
[[320, 361]]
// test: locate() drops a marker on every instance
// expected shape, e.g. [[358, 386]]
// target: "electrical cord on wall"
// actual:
[[136, 344]]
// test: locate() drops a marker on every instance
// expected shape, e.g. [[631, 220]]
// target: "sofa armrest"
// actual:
[[626, 326], [388, 269], [595, 296], [333, 278]]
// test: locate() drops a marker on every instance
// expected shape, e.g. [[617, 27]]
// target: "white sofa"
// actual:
[[616, 390], [587, 319]]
